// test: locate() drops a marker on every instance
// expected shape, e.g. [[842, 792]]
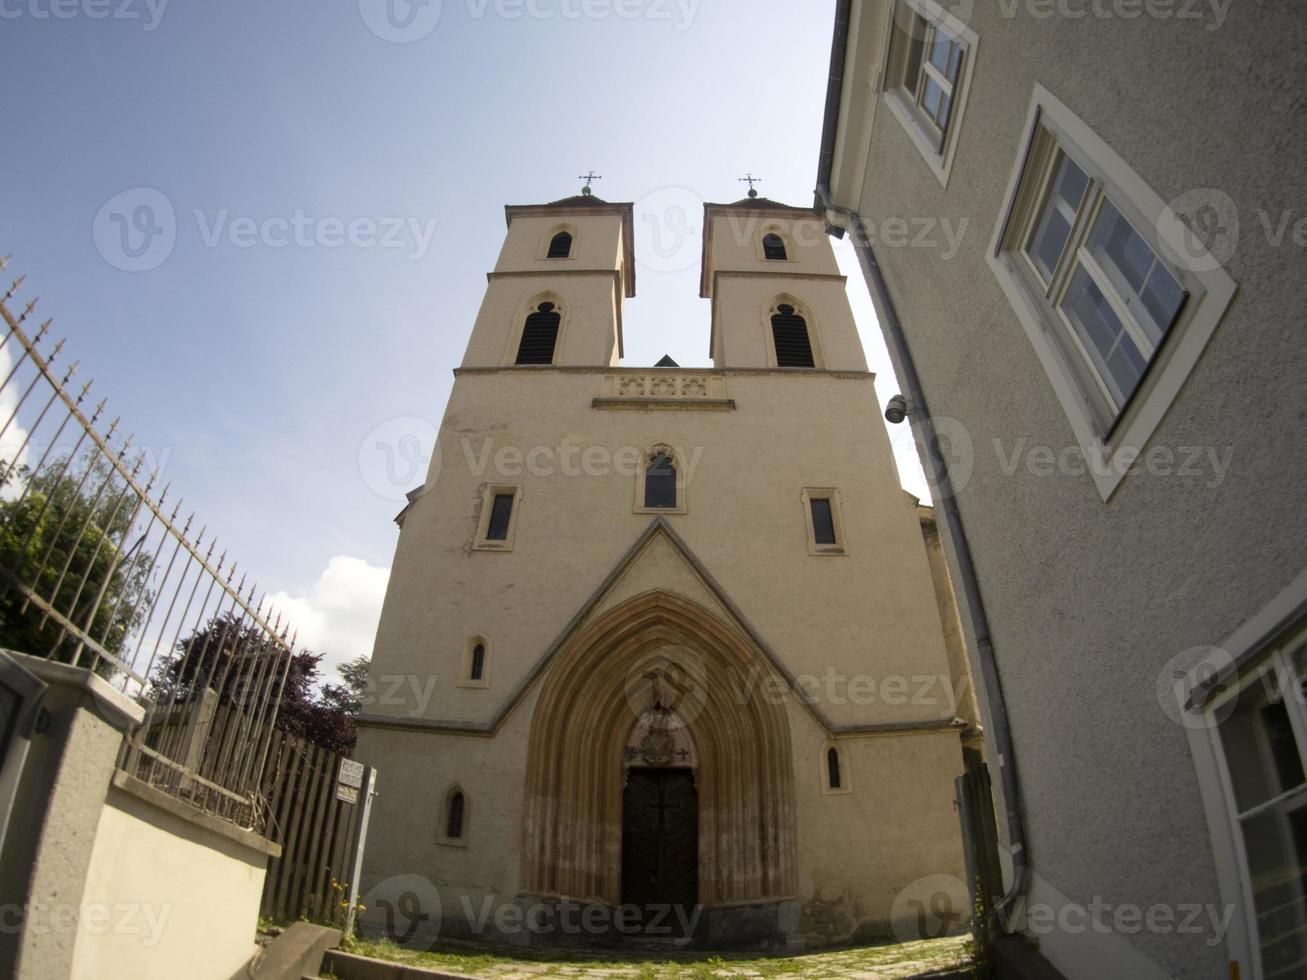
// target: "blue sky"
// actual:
[[256, 363]]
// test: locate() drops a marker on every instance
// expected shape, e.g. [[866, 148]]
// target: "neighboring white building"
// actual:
[[1082, 227], [664, 635]]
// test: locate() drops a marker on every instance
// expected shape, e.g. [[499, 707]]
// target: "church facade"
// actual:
[[662, 645]]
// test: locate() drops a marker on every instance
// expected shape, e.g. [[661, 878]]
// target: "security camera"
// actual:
[[897, 409]]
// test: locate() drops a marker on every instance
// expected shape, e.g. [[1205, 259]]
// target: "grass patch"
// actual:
[[897, 960]]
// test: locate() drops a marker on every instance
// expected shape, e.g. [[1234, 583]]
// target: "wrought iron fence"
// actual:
[[98, 570]]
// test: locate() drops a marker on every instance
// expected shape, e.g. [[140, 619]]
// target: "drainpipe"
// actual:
[[951, 520]]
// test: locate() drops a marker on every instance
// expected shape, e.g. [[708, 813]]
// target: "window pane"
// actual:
[[912, 38], [1275, 842], [941, 117], [940, 51], [823, 521], [1151, 294], [500, 513], [454, 828], [1113, 353], [660, 483], [1057, 217], [1260, 750], [931, 96]]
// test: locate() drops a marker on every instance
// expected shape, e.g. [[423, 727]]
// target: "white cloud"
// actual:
[[15, 434], [337, 615]]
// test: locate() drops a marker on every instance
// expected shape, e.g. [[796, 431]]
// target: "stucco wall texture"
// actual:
[[1089, 600]]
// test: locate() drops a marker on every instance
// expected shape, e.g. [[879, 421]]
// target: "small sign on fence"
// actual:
[[349, 780]]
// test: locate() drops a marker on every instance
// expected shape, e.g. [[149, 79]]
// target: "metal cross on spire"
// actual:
[[750, 179], [588, 178]]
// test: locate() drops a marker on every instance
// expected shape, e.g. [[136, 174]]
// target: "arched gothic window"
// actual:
[[539, 335], [454, 815], [833, 768], [790, 335], [477, 670], [560, 246], [660, 481]]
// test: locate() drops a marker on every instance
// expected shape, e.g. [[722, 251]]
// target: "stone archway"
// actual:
[[659, 646]]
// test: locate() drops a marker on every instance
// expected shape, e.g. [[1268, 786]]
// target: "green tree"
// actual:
[[235, 658], [71, 549]]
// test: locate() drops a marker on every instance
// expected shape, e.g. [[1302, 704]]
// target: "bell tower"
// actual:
[[555, 295], [778, 298]]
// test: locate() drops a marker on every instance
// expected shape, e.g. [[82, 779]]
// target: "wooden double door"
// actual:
[[660, 844]]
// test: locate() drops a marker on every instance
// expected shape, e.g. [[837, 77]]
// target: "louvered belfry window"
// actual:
[[560, 246], [660, 482], [773, 247], [539, 335], [790, 332]]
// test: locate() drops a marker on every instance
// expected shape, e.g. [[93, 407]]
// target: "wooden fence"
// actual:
[[318, 805]]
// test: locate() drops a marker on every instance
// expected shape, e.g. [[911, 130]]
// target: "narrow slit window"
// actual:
[[660, 483], [823, 521], [478, 669], [773, 248], [501, 513], [833, 768], [454, 818], [790, 334], [539, 335], [560, 246]]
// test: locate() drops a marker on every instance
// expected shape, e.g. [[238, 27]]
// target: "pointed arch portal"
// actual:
[[664, 652]]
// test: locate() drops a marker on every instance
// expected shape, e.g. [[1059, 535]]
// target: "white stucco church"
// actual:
[[673, 638]]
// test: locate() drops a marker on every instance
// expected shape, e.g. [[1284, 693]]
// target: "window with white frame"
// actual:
[[1112, 295], [1116, 296], [1260, 728], [927, 74]]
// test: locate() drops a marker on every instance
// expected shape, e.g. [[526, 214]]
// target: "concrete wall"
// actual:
[[1088, 600], [103, 876], [179, 896]]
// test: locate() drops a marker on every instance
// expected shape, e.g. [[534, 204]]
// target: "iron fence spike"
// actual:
[[5, 261], [30, 307]]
